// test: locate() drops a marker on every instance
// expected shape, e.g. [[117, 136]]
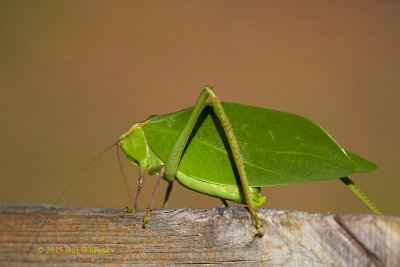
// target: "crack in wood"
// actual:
[[354, 239]]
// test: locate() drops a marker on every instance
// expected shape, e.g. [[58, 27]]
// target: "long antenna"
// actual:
[[82, 171], [72, 182], [123, 176]]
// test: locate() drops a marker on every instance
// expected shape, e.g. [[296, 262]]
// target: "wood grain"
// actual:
[[45, 234]]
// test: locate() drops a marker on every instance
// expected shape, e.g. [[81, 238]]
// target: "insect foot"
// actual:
[[146, 218], [129, 210], [259, 229], [258, 225]]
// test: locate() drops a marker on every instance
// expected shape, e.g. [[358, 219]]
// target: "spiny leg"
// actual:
[[140, 184], [361, 195], [167, 194], [220, 112], [176, 151], [146, 216]]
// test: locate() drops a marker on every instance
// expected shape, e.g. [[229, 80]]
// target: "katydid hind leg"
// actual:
[[220, 112], [146, 216], [176, 151], [361, 195]]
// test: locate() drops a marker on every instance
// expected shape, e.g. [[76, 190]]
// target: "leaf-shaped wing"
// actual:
[[276, 147]]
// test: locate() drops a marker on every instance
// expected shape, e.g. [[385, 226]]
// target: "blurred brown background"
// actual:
[[74, 75]]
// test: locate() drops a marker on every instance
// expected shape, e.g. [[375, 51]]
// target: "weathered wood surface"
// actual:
[[46, 235]]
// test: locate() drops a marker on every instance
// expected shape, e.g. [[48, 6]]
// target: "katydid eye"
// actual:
[[119, 143]]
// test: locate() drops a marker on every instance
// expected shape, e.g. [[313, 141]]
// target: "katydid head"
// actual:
[[133, 144]]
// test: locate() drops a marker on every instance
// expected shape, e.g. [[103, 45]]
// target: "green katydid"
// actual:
[[230, 150]]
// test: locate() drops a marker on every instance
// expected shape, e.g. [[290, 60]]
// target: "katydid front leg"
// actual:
[[175, 154], [146, 216], [140, 185]]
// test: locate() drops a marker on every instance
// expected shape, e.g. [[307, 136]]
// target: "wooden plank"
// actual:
[[61, 235]]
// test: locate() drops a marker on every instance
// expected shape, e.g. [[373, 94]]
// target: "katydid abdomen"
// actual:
[[228, 192]]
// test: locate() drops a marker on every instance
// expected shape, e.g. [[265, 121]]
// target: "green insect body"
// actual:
[[275, 148], [139, 150]]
